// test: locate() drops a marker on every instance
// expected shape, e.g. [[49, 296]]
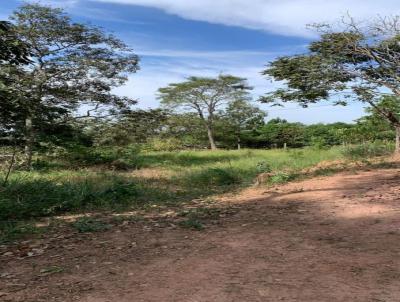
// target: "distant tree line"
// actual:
[[164, 130]]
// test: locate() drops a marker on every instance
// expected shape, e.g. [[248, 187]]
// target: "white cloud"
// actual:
[[288, 17]]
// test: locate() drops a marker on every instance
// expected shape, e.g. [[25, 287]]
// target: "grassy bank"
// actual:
[[165, 178]]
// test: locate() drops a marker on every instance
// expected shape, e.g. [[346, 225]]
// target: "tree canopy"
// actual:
[[72, 66], [205, 96], [356, 63]]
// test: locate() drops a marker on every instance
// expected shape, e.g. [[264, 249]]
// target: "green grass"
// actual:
[[188, 175]]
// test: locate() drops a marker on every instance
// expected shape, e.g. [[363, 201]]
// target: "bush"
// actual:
[[368, 150], [319, 143], [121, 158], [164, 144]]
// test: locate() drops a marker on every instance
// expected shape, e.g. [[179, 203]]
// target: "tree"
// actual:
[[325, 134], [71, 66], [187, 128], [135, 127], [280, 133], [13, 52], [205, 96], [355, 63], [241, 115], [374, 121]]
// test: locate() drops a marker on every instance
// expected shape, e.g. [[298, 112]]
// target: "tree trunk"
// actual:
[[29, 141], [211, 138], [238, 142], [397, 150]]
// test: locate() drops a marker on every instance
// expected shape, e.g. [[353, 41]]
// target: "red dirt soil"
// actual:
[[333, 238]]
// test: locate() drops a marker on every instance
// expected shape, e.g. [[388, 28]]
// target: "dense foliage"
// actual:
[[358, 62]]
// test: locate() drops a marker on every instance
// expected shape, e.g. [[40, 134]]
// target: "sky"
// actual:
[[176, 39]]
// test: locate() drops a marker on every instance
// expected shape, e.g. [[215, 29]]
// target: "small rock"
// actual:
[[8, 254]]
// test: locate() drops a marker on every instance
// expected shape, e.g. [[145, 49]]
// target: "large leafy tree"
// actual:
[[242, 116], [358, 62], [13, 52], [72, 66], [205, 96]]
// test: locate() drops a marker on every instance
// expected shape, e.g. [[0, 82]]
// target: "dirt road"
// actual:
[[333, 238]]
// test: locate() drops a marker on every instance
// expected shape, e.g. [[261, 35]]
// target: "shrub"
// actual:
[[281, 177], [122, 158], [319, 143]]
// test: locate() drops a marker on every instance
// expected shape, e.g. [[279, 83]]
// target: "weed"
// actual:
[[263, 167], [89, 224], [281, 177], [191, 223], [13, 230]]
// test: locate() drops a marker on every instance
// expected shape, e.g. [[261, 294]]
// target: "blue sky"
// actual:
[[180, 38]]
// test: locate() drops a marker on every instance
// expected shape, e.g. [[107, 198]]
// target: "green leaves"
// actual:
[[353, 64], [12, 49]]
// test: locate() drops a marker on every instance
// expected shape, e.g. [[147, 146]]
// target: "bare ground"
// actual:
[[333, 238]]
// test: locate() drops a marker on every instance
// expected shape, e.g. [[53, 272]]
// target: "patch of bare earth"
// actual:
[[330, 239]]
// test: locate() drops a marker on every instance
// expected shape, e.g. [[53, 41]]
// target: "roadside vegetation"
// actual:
[[208, 137], [164, 180]]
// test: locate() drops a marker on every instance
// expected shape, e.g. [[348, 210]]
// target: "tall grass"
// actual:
[[189, 175], [368, 150], [221, 168], [30, 195]]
